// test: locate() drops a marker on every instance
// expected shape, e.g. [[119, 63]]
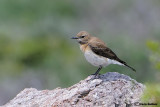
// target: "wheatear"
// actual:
[[96, 52]]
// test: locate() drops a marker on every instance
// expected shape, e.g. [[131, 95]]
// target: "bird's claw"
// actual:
[[95, 75]]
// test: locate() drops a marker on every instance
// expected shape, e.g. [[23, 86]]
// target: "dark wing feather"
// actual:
[[104, 51]]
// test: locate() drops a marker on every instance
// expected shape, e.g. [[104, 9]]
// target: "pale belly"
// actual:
[[96, 60]]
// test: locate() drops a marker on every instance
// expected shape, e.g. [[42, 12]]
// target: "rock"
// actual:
[[106, 90]]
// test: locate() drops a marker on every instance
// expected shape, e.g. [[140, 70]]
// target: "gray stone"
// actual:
[[103, 91]]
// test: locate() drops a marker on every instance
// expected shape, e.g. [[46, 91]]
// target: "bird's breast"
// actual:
[[84, 47]]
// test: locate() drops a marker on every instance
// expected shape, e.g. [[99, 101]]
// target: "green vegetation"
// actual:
[[154, 46], [152, 94]]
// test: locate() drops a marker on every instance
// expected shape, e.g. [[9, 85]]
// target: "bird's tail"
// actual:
[[124, 63], [130, 67]]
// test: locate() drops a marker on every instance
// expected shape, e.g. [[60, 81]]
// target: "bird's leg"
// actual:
[[97, 72]]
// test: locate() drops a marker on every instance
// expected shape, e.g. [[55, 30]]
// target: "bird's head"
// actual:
[[82, 37]]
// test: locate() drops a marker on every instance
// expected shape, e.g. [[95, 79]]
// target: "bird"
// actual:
[[97, 53]]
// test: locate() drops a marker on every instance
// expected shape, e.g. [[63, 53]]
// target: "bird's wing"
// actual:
[[101, 50]]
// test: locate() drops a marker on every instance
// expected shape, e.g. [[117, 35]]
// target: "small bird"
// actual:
[[96, 52]]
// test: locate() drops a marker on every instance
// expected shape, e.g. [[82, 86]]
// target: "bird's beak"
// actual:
[[74, 38]]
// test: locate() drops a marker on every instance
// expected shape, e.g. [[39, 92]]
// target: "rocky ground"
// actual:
[[103, 91]]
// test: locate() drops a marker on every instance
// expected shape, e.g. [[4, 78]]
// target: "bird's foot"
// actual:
[[95, 75]]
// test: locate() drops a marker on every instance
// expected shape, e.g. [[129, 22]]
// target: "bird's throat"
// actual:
[[82, 42], [84, 47]]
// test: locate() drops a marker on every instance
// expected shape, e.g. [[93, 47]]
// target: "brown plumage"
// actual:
[[89, 43]]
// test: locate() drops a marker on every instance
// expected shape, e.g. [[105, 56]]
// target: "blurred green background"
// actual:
[[36, 49]]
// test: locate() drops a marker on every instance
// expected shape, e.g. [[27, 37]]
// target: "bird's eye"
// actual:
[[82, 36]]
